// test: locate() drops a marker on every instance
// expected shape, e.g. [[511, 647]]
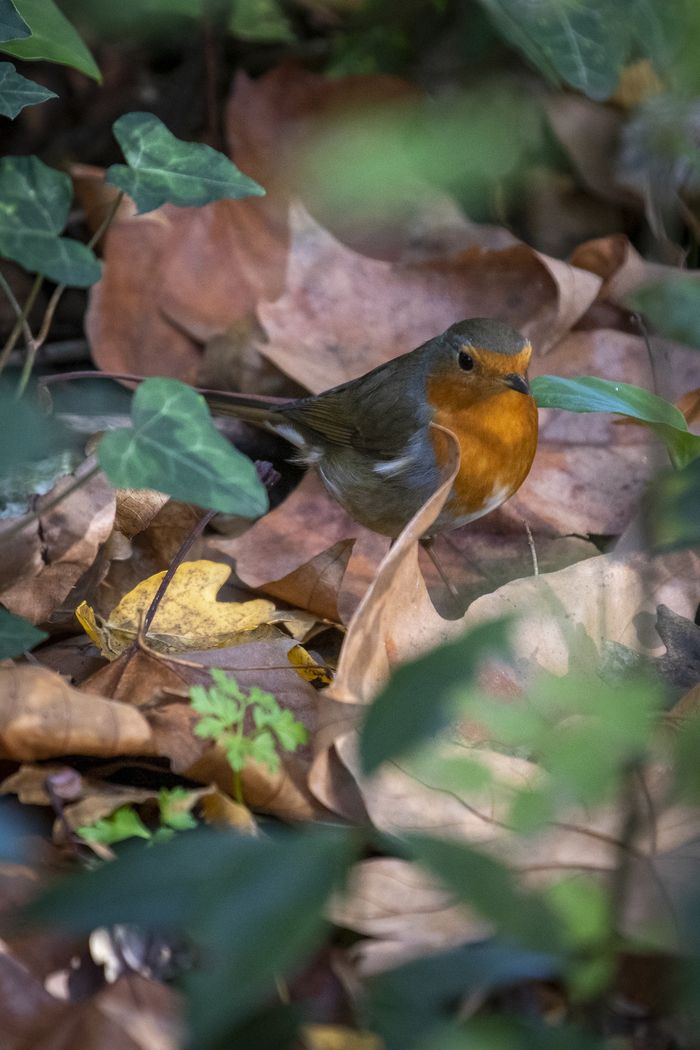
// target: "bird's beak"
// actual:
[[517, 382]]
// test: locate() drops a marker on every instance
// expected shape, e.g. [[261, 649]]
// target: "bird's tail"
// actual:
[[249, 407]]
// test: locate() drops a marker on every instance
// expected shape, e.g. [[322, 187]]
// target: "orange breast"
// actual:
[[497, 438]]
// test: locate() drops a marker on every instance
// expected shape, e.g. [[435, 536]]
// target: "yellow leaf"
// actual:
[[189, 616], [221, 810], [308, 668], [337, 1037]]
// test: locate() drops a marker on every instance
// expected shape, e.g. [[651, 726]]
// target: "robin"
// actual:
[[372, 440]]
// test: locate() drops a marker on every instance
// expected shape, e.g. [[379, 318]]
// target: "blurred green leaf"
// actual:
[[590, 394], [154, 22], [585, 43], [584, 909], [260, 20], [413, 1002], [613, 721], [164, 169], [233, 894], [53, 38], [174, 447], [673, 307], [17, 635], [564, 720], [17, 91], [673, 514], [490, 888], [532, 808], [12, 25], [420, 697], [34, 205], [686, 748], [374, 162], [509, 1033]]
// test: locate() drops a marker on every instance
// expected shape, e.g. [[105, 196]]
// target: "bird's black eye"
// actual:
[[466, 363]]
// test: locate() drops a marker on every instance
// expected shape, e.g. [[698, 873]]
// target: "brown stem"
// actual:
[[36, 344], [20, 322], [5, 285], [172, 568]]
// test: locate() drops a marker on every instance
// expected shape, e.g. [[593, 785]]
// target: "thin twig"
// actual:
[[21, 321], [68, 377], [17, 526], [35, 345], [194, 534], [5, 285], [533, 549]]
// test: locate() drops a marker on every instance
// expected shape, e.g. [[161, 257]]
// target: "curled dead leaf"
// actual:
[[41, 716]]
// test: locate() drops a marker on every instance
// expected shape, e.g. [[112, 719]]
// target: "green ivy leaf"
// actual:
[[420, 697], [53, 38], [164, 169], [17, 635], [174, 447], [17, 91], [580, 42], [34, 205], [590, 394], [231, 893], [12, 25]]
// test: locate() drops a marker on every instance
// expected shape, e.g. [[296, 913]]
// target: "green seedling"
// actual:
[[248, 726], [125, 823]]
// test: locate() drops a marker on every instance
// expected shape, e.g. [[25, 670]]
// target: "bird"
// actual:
[[373, 442]]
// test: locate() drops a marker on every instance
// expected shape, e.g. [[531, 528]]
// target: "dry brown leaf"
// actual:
[[589, 133], [621, 267], [580, 842], [589, 473], [96, 798], [45, 559], [136, 509], [221, 810], [315, 585], [403, 910], [343, 313], [295, 533], [41, 716], [232, 252], [123, 317], [602, 599], [132, 1014], [395, 617], [28, 1008], [163, 685], [689, 404]]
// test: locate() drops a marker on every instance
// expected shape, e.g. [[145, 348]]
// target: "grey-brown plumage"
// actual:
[[370, 438]]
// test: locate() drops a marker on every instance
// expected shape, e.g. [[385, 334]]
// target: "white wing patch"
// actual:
[[288, 432], [388, 468]]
